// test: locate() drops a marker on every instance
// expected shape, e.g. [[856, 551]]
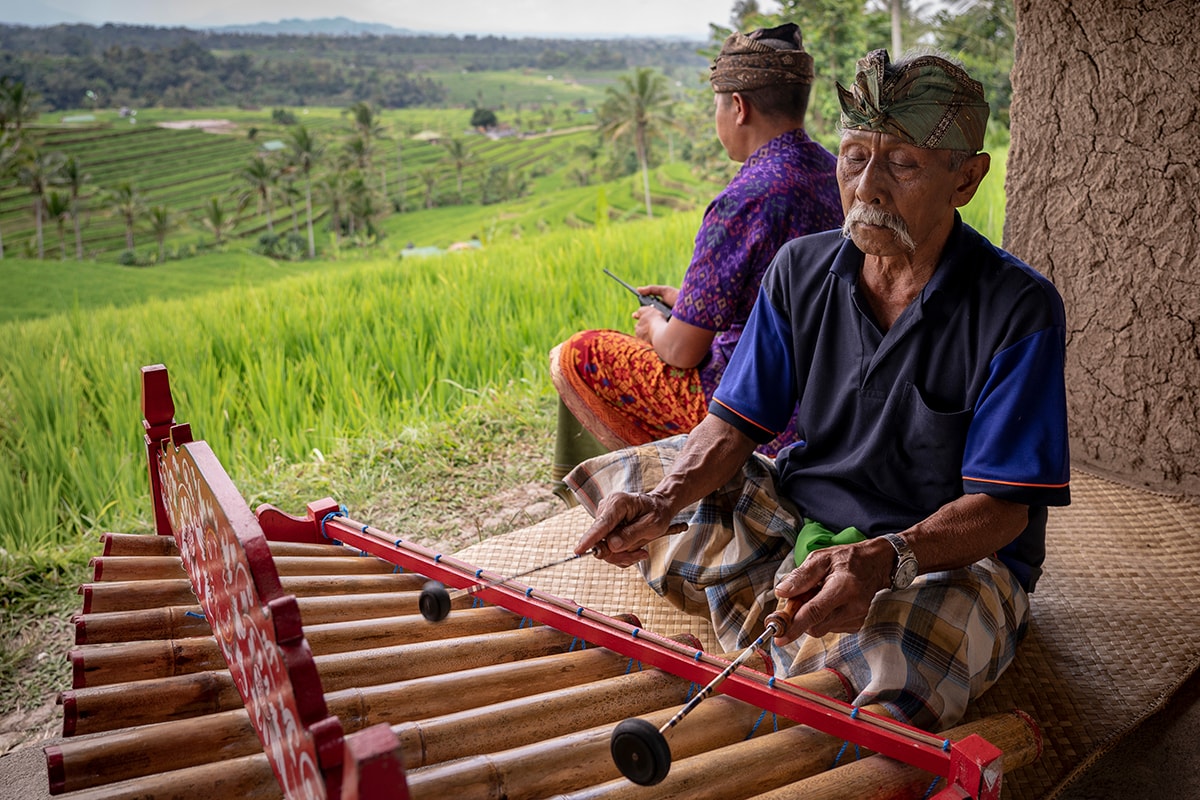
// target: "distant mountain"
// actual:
[[327, 26]]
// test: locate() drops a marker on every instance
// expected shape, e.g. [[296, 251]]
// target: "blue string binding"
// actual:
[[929, 791], [341, 512], [754, 727], [196, 614]]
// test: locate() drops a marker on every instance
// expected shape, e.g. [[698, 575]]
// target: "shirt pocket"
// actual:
[[922, 459]]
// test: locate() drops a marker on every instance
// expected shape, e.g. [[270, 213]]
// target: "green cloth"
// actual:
[[927, 101], [572, 444], [814, 536]]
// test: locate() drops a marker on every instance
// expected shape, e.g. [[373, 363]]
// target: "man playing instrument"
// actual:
[[924, 369], [628, 390]]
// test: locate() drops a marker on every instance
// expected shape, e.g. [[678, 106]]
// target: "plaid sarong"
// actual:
[[923, 653]]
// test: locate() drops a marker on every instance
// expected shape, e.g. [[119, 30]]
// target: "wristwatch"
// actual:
[[906, 563]]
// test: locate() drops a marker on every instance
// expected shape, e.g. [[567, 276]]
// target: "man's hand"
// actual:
[[625, 524], [836, 585], [668, 294], [648, 324]]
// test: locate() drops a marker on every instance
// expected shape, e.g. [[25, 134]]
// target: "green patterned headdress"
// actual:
[[765, 57], [927, 101]]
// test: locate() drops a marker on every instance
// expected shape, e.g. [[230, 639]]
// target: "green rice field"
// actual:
[[279, 364]]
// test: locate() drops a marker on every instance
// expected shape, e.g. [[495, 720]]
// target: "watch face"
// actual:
[[906, 571]]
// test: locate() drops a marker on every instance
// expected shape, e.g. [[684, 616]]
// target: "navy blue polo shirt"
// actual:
[[964, 394]]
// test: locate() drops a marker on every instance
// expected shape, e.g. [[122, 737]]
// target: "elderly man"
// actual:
[[927, 366], [634, 389]]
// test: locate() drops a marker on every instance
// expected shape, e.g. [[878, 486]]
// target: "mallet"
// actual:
[[640, 750], [436, 598]]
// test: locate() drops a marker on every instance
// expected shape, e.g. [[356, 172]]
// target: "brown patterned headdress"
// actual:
[[765, 57], [927, 101]]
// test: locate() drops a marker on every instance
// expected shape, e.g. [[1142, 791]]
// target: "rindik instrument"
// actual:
[[261, 655]]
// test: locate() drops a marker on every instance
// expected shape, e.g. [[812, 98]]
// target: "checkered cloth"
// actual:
[[923, 653]]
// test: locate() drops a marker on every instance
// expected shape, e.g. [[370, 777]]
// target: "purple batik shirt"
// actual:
[[786, 188]]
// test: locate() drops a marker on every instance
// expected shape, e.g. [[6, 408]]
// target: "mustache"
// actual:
[[870, 215]]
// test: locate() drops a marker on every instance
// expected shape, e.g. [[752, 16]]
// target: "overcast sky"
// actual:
[[686, 18]]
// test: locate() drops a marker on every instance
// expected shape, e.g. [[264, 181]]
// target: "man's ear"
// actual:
[[741, 108], [970, 175]]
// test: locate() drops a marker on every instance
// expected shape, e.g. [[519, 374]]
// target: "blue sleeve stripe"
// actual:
[[772, 434], [758, 383], [1019, 433], [1018, 483]]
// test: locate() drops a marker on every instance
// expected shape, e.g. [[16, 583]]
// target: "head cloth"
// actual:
[[765, 57], [927, 101]]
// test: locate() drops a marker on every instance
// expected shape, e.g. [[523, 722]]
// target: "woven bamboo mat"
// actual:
[[1115, 630]]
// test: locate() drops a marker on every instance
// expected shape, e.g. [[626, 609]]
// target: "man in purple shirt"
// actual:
[[636, 389]]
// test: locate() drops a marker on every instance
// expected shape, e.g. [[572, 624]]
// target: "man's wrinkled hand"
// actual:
[[836, 585], [624, 524]]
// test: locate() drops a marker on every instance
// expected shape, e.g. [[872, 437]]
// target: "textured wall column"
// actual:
[[1103, 194]]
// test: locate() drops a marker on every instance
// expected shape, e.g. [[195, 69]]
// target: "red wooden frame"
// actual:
[[227, 558]]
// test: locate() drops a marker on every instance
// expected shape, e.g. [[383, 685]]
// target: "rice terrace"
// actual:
[[353, 252]]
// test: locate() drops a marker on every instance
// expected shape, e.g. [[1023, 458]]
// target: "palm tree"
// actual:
[[38, 172], [429, 176], [460, 155], [358, 148], [162, 221], [362, 206], [74, 179], [638, 107], [17, 105], [58, 210], [219, 221], [10, 155], [335, 190], [369, 130], [401, 180], [305, 152], [260, 177], [126, 202]]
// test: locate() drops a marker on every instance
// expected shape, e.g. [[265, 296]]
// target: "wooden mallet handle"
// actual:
[[782, 616]]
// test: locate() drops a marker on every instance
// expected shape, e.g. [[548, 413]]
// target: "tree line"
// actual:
[[77, 66]]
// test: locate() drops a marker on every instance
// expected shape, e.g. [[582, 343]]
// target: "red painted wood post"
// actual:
[[158, 415]]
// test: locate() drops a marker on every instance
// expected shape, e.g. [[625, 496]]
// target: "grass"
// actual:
[[365, 379]]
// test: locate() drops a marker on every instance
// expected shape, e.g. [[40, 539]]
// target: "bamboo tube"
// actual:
[[141, 568], [138, 544], [317, 585], [535, 718], [100, 665], [734, 771], [168, 622], [878, 776], [123, 705], [319, 610], [741, 768], [341, 637], [103, 664], [161, 747], [402, 662], [131, 595], [136, 568], [434, 695], [577, 760], [245, 778], [178, 622], [174, 744]]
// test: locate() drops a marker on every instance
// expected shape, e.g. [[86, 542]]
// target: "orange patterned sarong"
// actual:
[[622, 392]]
